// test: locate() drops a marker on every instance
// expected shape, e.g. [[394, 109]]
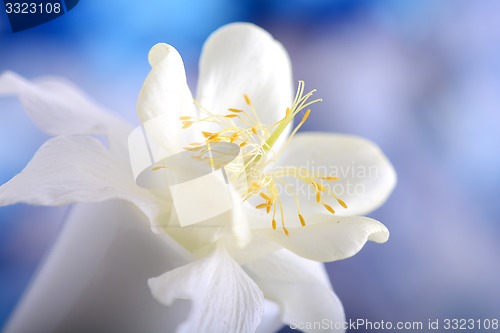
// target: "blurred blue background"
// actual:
[[420, 78]]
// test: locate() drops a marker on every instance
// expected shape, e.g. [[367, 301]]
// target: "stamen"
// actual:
[[319, 187], [329, 208], [243, 127], [330, 178], [274, 216], [306, 115], [263, 195], [213, 136], [282, 216], [342, 203], [302, 221], [255, 186]]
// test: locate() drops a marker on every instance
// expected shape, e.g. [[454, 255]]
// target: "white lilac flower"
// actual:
[[299, 204]]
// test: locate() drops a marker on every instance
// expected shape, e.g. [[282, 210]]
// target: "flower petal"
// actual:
[[328, 238], [224, 298], [271, 321], [164, 97], [76, 169], [59, 108], [366, 177], [301, 288], [93, 279], [240, 59]]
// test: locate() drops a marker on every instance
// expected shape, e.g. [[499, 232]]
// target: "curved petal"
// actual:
[[57, 107], [93, 279], [239, 59], [77, 169], [224, 298], [329, 238], [366, 177], [271, 321], [301, 288], [164, 97]]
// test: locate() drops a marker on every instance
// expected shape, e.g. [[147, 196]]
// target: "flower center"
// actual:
[[256, 140]]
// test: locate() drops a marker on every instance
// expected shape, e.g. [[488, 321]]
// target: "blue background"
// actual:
[[420, 78]]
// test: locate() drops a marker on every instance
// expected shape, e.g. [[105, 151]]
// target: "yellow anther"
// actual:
[[342, 203], [233, 137], [235, 110], [286, 231], [255, 186], [265, 196], [207, 134], [330, 178], [184, 118], [329, 208], [247, 99], [213, 136], [302, 221], [268, 208], [320, 187], [186, 124], [287, 112], [306, 115], [318, 196], [231, 116], [243, 144], [263, 205], [254, 130], [274, 224]]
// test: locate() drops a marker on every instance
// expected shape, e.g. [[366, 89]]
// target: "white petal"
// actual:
[[164, 97], [240, 59], [76, 169], [59, 108], [93, 279], [367, 178], [300, 287], [327, 237], [239, 221], [271, 320], [224, 298]]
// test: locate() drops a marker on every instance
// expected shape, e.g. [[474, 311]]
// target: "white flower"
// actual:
[[244, 97]]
